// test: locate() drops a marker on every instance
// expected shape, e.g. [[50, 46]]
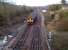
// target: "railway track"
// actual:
[[33, 38], [36, 40], [21, 42]]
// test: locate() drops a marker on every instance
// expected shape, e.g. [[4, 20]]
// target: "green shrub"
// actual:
[[60, 41]]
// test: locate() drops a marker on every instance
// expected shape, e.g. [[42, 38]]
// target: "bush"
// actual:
[[60, 41], [62, 25], [55, 7], [9, 13]]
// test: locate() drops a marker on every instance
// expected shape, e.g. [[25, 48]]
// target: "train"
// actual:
[[32, 17], [31, 20]]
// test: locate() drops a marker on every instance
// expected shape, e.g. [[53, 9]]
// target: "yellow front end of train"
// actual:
[[30, 20]]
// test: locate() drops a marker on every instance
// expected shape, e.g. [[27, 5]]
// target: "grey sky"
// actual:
[[35, 2]]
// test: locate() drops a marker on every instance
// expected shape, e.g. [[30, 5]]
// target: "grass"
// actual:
[[60, 41]]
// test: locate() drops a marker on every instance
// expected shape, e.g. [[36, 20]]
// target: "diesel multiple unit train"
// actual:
[[31, 19]]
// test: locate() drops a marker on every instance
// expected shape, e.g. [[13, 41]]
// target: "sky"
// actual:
[[35, 2]]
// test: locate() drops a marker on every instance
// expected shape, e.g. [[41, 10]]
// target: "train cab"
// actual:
[[30, 20]]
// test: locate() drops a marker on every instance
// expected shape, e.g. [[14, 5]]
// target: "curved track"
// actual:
[[33, 38]]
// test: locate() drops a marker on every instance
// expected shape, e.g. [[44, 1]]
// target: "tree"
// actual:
[[55, 7], [63, 2]]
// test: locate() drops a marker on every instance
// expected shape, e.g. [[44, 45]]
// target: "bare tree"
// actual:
[[63, 2]]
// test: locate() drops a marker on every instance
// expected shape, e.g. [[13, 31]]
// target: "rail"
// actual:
[[13, 42], [45, 32]]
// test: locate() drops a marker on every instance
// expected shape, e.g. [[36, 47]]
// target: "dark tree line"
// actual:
[[10, 13]]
